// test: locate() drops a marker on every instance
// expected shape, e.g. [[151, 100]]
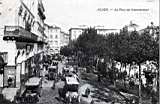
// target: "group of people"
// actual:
[[69, 70]]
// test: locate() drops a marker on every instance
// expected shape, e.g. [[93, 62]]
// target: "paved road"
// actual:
[[50, 96]]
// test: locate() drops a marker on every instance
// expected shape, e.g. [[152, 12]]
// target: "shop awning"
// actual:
[[19, 34]]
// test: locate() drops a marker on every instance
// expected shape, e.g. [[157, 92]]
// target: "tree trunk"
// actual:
[[140, 84], [121, 67], [99, 78], [124, 77], [114, 74], [129, 70]]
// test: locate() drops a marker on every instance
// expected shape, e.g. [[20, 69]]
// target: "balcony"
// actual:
[[19, 34]]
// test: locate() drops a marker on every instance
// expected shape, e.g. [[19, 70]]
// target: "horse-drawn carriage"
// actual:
[[32, 91], [69, 71], [69, 93], [52, 72]]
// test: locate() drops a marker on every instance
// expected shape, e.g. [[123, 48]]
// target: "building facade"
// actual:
[[23, 40], [53, 33], [107, 31], [64, 39], [76, 32]]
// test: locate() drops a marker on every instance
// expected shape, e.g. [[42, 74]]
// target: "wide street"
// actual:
[[49, 95], [100, 93]]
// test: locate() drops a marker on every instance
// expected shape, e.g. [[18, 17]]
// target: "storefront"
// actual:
[[3, 62], [38, 61], [9, 76]]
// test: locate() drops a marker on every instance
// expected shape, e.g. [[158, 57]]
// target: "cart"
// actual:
[[69, 93], [32, 91], [52, 72]]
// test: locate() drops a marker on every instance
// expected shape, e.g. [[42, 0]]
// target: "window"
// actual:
[[51, 42], [28, 18], [56, 37], [51, 36], [25, 14], [32, 22], [27, 26], [20, 10], [56, 42]]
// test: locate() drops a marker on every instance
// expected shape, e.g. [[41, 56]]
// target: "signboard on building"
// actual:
[[9, 72]]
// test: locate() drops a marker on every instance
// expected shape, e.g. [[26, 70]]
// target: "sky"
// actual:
[[72, 13], [108, 13]]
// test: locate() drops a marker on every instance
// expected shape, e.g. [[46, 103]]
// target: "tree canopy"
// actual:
[[90, 43], [125, 47]]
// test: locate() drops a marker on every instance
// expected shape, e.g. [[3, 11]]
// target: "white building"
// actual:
[[76, 32], [64, 39], [107, 31], [53, 33], [22, 38], [131, 27]]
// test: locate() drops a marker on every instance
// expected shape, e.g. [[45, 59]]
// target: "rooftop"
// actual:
[[79, 28]]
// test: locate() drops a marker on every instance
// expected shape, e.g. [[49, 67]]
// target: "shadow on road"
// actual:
[[104, 91]]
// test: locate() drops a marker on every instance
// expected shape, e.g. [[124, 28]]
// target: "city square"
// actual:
[[79, 52]]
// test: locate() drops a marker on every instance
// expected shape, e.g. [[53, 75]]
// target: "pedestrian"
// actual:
[[10, 82], [92, 102], [87, 92]]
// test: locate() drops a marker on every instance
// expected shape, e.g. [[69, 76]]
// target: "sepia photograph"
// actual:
[[79, 51]]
